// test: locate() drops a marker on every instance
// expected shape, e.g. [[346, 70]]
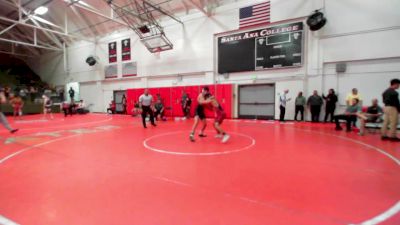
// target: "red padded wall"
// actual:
[[176, 96], [153, 92], [130, 96], [166, 96], [139, 92], [172, 98]]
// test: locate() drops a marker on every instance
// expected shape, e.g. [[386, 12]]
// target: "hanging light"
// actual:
[[41, 10]]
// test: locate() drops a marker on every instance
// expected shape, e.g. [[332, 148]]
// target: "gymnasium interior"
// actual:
[[199, 112]]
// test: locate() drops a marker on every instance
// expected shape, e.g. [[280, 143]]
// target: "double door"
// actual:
[[257, 101]]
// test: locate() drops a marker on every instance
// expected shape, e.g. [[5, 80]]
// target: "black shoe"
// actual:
[[154, 125], [338, 128], [13, 131], [202, 135], [384, 138], [144, 126], [191, 138], [394, 139], [348, 130]]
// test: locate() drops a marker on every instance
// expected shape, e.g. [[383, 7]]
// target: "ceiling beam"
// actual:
[[125, 10], [64, 28], [162, 11], [185, 6], [19, 35], [18, 54], [50, 35], [30, 44], [15, 36], [84, 20], [47, 22], [77, 5], [199, 7], [46, 29], [29, 15], [9, 3], [21, 11], [7, 28]]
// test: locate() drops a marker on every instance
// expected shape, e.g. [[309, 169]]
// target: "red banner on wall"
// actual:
[[112, 52], [126, 49]]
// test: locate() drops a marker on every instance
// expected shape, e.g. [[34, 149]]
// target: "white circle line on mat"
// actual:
[[68, 125], [146, 145], [393, 210]]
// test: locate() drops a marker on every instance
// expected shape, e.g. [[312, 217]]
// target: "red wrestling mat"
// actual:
[[100, 169]]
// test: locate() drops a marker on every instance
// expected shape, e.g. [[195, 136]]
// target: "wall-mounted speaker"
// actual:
[[341, 67], [91, 61], [179, 78], [316, 21]]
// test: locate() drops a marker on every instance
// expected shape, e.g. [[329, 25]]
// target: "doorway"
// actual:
[[119, 102], [257, 101]]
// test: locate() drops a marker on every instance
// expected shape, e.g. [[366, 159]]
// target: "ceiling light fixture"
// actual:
[[41, 10]]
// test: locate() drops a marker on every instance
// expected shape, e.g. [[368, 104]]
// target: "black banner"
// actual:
[[272, 47], [126, 49], [112, 52]]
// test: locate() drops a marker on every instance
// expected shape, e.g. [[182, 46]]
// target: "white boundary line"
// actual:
[[392, 210], [35, 146], [253, 142], [397, 161], [373, 221], [5, 221], [384, 216], [70, 125], [31, 121], [49, 142]]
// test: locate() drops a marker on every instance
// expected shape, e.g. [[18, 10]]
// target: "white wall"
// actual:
[[89, 93], [370, 77], [361, 29], [365, 38]]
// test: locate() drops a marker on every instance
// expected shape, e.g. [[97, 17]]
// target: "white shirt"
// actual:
[[81, 105], [145, 100], [283, 99]]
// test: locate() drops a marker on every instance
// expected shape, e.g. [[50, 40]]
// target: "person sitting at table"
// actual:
[[349, 116], [372, 115], [112, 107], [159, 110], [67, 108], [81, 108]]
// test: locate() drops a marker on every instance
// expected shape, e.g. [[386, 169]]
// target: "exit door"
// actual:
[[257, 101]]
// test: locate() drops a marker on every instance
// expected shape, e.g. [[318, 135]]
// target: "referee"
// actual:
[[145, 104]]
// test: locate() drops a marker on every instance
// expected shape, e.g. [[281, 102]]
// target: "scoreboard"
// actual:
[[273, 47]]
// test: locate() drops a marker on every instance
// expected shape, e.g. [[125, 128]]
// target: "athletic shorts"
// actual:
[[220, 115], [200, 112]]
